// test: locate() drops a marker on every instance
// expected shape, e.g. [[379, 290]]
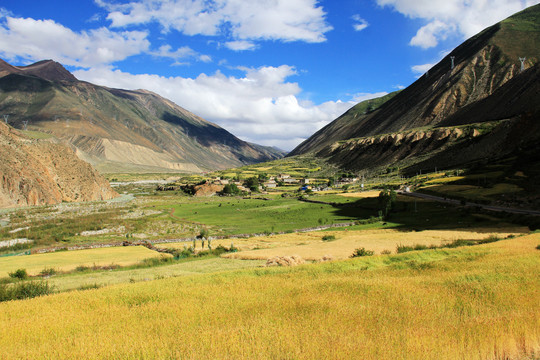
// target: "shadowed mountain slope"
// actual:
[[482, 107], [119, 130]]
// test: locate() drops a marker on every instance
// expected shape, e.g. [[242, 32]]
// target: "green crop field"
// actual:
[[228, 216]]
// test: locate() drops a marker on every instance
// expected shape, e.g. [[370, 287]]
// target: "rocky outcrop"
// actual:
[[41, 172], [207, 189]]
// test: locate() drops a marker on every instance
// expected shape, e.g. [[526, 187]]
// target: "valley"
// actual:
[[406, 228]]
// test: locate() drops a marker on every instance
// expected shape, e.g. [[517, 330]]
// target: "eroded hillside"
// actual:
[[39, 172]]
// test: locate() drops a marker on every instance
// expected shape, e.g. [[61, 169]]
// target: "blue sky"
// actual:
[[269, 71]]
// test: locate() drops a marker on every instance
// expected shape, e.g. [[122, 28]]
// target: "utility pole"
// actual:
[[522, 59], [25, 124], [6, 117]]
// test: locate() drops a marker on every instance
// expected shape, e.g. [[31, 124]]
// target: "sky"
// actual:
[[272, 72]]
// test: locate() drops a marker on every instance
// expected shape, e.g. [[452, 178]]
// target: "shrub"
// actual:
[[48, 272], [361, 252], [403, 248], [24, 290], [89, 286], [386, 252], [20, 274], [328, 238]]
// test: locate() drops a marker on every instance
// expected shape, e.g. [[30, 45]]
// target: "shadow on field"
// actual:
[[409, 214]]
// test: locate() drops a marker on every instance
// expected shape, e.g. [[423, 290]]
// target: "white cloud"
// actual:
[[184, 52], [368, 96], [285, 20], [429, 35], [467, 17], [45, 39], [4, 13], [261, 106], [240, 45], [360, 24], [421, 69]]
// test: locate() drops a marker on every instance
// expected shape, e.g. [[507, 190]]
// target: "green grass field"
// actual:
[[227, 216]]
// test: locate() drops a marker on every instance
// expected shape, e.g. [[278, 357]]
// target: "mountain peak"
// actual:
[[49, 70], [45, 69]]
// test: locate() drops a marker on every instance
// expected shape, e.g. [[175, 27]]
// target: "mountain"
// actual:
[[41, 172], [481, 107], [119, 130]]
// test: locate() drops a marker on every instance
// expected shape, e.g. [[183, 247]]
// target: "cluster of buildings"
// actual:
[[285, 179]]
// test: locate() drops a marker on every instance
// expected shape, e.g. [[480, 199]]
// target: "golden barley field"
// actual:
[[478, 302], [311, 246], [69, 260], [362, 194]]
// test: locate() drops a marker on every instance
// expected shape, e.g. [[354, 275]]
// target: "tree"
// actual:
[[252, 183], [387, 199], [230, 189], [203, 235]]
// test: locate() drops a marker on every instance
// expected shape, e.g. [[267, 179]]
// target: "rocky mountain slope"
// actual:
[[483, 106], [40, 172], [119, 130]]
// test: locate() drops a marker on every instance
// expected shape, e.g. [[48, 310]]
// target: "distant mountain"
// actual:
[[481, 107], [119, 130], [41, 172]]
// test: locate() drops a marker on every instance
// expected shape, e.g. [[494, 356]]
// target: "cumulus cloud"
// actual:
[[45, 39], [421, 69], [284, 20], [429, 35], [467, 17], [240, 45], [184, 52], [359, 23], [261, 106]]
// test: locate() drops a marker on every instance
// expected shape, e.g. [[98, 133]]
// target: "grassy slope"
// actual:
[[475, 303], [189, 267]]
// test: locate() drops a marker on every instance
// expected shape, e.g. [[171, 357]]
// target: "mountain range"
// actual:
[[119, 130], [477, 104]]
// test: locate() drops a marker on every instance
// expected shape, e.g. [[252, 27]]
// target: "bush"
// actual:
[[89, 286], [20, 274], [48, 272], [361, 252], [24, 290], [328, 238]]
